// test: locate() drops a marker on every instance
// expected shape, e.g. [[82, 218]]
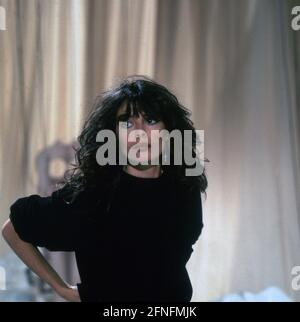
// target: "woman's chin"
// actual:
[[143, 161]]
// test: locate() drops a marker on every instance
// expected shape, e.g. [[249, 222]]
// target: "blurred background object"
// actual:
[[270, 294], [51, 163]]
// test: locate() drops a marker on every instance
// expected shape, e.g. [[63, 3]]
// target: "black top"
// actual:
[[136, 252]]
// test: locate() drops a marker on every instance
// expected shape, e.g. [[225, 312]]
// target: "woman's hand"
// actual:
[[69, 293], [36, 261]]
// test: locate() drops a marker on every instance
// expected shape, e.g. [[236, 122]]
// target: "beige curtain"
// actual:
[[231, 62]]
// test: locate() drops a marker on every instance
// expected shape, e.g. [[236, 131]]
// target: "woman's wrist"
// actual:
[[61, 287], [69, 293]]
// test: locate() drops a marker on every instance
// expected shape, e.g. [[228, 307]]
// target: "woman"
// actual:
[[131, 226]]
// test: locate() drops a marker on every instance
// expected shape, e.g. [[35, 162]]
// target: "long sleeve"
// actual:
[[190, 222], [194, 216], [46, 221]]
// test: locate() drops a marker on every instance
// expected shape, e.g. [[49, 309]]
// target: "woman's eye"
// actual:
[[126, 124], [151, 121]]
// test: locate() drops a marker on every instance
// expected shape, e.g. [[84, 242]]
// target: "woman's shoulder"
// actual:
[[58, 203], [84, 203], [70, 197]]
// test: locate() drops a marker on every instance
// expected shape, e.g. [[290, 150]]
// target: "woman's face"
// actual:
[[135, 133]]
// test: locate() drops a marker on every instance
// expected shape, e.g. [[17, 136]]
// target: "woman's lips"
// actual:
[[142, 146]]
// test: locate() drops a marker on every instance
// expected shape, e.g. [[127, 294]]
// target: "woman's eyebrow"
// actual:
[[122, 117]]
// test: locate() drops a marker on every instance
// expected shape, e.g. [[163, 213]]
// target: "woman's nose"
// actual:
[[140, 133], [140, 124]]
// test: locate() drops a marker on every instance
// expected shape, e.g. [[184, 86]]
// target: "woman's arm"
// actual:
[[33, 258]]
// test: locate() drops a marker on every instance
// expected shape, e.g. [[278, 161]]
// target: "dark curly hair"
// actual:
[[141, 94]]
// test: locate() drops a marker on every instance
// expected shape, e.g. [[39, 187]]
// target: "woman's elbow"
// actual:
[[8, 230]]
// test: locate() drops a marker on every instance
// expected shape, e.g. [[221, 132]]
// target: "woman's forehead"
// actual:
[[138, 109], [123, 110]]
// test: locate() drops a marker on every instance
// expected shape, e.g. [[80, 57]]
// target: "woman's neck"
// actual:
[[144, 171]]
